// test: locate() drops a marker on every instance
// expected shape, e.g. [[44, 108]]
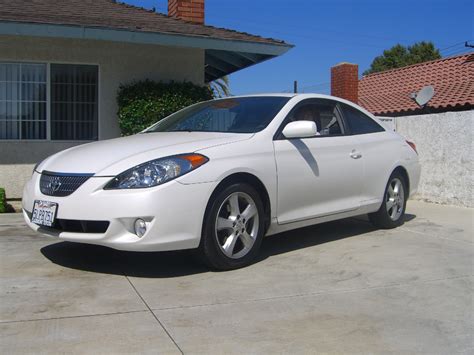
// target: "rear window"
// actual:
[[359, 122]]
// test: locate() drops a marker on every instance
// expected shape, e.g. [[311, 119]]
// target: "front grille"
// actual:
[[59, 184], [76, 225], [79, 226]]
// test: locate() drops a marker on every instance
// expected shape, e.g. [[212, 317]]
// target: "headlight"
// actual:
[[156, 172]]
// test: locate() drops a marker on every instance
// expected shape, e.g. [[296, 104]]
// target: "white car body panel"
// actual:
[[300, 192], [316, 177], [120, 154], [158, 206]]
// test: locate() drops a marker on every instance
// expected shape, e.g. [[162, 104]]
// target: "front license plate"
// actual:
[[44, 213]]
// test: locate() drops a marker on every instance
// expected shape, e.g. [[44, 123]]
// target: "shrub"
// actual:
[[3, 200], [144, 103]]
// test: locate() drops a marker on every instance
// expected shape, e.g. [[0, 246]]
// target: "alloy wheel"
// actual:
[[237, 225], [395, 199]]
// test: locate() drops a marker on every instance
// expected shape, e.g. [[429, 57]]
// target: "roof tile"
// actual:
[[112, 14], [389, 92]]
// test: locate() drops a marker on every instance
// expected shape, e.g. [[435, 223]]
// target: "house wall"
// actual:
[[445, 146], [118, 63]]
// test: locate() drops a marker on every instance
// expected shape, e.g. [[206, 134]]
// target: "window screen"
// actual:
[[74, 102], [358, 122], [22, 101]]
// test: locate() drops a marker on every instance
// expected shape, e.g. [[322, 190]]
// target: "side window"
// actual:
[[358, 122], [324, 114]]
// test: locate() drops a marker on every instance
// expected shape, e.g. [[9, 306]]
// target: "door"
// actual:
[[320, 175], [379, 150]]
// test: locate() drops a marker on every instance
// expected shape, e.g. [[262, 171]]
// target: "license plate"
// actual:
[[44, 213]]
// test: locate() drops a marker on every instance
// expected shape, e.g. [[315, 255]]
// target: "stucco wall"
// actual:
[[118, 63], [444, 143]]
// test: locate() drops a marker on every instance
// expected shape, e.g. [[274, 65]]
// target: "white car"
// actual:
[[219, 175]]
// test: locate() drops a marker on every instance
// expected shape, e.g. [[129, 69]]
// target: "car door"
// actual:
[[320, 175], [378, 148]]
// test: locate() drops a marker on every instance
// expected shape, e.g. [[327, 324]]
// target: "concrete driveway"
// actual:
[[336, 287]]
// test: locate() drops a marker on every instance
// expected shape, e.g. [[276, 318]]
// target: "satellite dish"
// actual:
[[424, 95]]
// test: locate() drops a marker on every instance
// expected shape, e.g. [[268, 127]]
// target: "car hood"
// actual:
[[113, 156]]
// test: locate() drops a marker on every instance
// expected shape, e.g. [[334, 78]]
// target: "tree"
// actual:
[[400, 56], [220, 87]]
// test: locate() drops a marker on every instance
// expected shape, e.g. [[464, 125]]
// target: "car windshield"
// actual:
[[233, 115]]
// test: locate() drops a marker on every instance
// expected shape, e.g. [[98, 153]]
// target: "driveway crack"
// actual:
[[153, 314]]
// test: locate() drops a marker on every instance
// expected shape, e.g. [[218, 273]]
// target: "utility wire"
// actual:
[[317, 35], [462, 51], [453, 49], [325, 30], [450, 53], [315, 86], [454, 45]]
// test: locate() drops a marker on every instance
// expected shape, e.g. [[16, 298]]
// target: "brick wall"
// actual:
[[187, 10], [345, 81]]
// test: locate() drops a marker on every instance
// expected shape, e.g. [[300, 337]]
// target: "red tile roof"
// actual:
[[389, 92], [114, 15]]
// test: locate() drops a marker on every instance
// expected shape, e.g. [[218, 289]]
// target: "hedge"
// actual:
[[144, 103], [3, 202]]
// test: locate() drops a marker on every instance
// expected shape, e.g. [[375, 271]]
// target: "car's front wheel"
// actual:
[[391, 213], [233, 228]]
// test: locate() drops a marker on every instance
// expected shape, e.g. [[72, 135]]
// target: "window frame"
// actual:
[[345, 131], [48, 101], [346, 120]]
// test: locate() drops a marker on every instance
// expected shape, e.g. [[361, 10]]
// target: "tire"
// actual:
[[233, 228], [391, 217]]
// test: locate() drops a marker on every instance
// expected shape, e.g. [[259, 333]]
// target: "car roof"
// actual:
[[305, 95]]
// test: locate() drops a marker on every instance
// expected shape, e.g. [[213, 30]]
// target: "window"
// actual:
[[323, 113], [73, 102], [22, 101], [27, 112], [237, 115], [358, 122]]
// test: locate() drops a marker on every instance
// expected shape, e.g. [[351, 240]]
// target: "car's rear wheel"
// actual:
[[391, 213], [233, 228]]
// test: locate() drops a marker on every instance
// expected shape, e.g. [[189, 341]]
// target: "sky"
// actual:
[[328, 32]]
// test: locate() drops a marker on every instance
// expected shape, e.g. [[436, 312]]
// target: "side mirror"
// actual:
[[300, 129]]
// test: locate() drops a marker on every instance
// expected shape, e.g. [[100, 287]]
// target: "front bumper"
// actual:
[[174, 213]]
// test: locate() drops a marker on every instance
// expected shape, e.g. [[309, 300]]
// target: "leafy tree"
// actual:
[[400, 56], [220, 87]]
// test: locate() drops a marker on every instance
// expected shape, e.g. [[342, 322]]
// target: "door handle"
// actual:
[[355, 154]]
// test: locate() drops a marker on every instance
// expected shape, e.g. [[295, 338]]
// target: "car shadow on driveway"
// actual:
[[100, 259]]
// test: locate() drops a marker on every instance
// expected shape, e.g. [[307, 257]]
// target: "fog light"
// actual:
[[140, 227]]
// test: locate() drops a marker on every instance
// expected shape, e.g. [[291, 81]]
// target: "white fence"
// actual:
[[445, 145]]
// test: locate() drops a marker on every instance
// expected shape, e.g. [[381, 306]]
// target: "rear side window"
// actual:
[[358, 122]]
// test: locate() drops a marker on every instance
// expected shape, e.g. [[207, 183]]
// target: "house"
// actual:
[[62, 62], [442, 128]]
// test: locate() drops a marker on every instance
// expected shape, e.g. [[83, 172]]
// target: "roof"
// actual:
[[389, 92], [123, 22]]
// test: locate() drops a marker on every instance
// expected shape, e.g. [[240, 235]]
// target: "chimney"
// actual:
[[345, 81], [187, 10]]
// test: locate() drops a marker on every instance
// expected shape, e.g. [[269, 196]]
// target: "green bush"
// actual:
[[144, 103], [3, 200]]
